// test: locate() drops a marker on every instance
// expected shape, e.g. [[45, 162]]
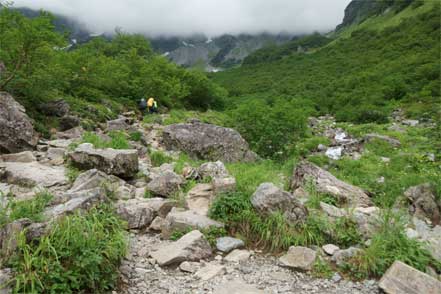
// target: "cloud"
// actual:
[[211, 17]]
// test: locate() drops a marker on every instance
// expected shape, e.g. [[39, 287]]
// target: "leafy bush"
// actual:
[[80, 254]]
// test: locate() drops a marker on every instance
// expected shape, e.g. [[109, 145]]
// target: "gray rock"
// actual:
[[160, 206], [403, 279], [69, 122], [120, 124], [423, 203], [199, 198], [73, 133], [5, 281], [9, 234], [165, 184], [236, 287], [191, 247], [332, 211], [224, 185], [57, 107], [334, 153], [157, 224], [25, 156], [56, 155], [269, 199], [16, 131], [393, 142], [85, 200], [226, 244], [237, 255], [33, 173], [341, 257], [330, 249], [189, 267], [122, 163], [210, 142], [298, 257], [178, 220], [326, 183], [213, 169], [410, 122], [136, 212], [209, 271]]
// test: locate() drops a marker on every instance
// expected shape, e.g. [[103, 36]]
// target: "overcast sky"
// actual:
[[212, 17]]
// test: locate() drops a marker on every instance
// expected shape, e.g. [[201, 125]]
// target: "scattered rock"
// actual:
[[16, 131], [135, 212], [213, 169], [209, 271], [226, 244], [269, 199], [123, 163], [189, 267], [165, 184], [199, 198], [410, 122], [57, 107], [393, 142], [237, 255], [340, 257], [69, 122], [236, 287], [178, 220], [423, 203], [334, 153], [206, 141], [224, 185], [25, 156], [298, 257], [403, 279], [74, 133], [191, 247], [33, 174], [326, 183], [330, 249]]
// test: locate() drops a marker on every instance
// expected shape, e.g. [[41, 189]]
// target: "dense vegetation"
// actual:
[[365, 72], [97, 78]]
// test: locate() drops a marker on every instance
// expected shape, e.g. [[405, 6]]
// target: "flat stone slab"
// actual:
[[33, 173], [237, 287], [403, 279], [299, 257]]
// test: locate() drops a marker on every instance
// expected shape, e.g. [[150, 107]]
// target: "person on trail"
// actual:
[[152, 105], [143, 105]]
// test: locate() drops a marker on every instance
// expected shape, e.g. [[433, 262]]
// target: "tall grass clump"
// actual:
[[118, 140], [31, 209], [80, 254]]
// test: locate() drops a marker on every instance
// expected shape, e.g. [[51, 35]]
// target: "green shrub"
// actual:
[[135, 136], [72, 173], [118, 140], [389, 244], [31, 209], [80, 254]]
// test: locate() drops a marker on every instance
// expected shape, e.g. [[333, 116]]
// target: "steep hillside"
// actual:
[[367, 70]]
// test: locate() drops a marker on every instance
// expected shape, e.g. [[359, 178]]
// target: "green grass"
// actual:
[[135, 136], [158, 158], [210, 116], [31, 209], [72, 173], [389, 244], [118, 140], [80, 254]]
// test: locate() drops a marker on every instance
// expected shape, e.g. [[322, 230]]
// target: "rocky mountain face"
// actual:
[[213, 54]]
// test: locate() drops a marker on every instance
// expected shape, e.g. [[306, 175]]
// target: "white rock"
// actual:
[[189, 267], [330, 249], [237, 255], [334, 153], [236, 287], [209, 271], [34, 173], [299, 257]]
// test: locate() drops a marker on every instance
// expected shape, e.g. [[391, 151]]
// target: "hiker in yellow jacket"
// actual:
[[152, 105]]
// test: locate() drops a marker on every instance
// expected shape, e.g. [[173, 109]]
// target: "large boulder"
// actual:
[[25, 156], [122, 163], [423, 203], [326, 183], [206, 141], [57, 107], [182, 220], [74, 133], [200, 198], [136, 212], [165, 184], [5, 277], [403, 279], [68, 122], [191, 247], [213, 169], [16, 131], [298, 257], [269, 199], [33, 173]]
